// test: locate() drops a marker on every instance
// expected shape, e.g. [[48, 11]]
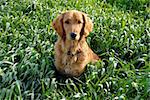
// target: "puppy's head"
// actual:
[[72, 25]]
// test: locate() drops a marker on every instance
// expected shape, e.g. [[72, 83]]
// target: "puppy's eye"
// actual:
[[79, 22], [67, 22]]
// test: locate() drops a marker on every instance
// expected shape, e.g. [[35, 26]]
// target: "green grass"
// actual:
[[121, 36]]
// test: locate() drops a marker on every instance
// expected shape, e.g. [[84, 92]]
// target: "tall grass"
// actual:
[[120, 36]]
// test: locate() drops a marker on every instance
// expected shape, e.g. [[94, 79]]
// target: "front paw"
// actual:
[[67, 71], [71, 73]]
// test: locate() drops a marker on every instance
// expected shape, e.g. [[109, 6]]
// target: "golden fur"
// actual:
[[73, 54]]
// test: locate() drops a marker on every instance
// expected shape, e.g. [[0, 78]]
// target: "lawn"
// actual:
[[121, 36]]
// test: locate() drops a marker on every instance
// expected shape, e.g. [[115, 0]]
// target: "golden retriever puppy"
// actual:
[[72, 52]]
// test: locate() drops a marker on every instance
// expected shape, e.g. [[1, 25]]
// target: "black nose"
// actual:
[[73, 35]]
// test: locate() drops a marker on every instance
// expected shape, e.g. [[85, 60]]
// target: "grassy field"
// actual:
[[121, 36]]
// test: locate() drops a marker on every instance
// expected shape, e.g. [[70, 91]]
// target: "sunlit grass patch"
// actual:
[[120, 36]]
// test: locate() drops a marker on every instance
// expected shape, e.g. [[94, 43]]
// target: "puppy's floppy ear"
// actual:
[[57, 24], [88, 25]]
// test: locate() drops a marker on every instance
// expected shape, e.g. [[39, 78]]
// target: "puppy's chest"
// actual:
[[71, 58]]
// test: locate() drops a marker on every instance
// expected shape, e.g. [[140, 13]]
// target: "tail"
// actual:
[[95, 57]]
